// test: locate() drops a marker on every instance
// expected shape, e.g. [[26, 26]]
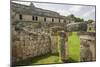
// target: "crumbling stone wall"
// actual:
[[26, 45], [54, 45], [88, 48]]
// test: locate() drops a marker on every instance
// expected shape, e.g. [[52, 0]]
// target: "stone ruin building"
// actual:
[[92, 26], [30, 27], [32, 31]]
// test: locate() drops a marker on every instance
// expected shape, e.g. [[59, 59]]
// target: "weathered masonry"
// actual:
[[33, 14], [28, 27], [27, 44], [88, 47]]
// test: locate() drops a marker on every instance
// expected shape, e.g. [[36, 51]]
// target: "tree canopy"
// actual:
[[76, 19], [90, 21]]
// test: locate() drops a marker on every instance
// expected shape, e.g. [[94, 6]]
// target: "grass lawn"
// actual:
[[44, 59], [74, 47], [48, 60]]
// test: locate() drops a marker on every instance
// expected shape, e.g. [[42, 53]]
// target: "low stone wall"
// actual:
[[88, 47], [26, 45], [93, 34]]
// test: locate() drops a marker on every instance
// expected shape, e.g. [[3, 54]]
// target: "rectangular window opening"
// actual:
[[20, 17], [32, 17], [36, 18], [59, 20], [52, 19], [45, 19]]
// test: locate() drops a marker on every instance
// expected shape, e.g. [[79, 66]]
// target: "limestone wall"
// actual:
[[40, 18], [26, 45], [88, 48], [27, 18]]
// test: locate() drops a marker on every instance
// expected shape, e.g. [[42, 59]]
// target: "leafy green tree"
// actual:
[[71, 17], [76, 19], [90, 21], [79, 19]]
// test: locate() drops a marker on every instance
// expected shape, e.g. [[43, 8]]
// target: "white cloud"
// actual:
[[89, 12], [75, 8], [64, 12]]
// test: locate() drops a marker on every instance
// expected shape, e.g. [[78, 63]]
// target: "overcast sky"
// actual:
[[85, 12]]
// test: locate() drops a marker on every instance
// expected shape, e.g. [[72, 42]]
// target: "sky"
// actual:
[[82, 11]]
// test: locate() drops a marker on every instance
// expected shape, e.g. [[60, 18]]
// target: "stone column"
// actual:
[[63, 46]]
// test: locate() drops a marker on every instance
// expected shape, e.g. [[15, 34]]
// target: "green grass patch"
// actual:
[[48, 60], [74, 46], [44, 59]]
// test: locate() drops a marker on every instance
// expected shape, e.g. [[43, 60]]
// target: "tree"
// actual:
[[79, 19], [90, 21], [71, 17], [76, 19]]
